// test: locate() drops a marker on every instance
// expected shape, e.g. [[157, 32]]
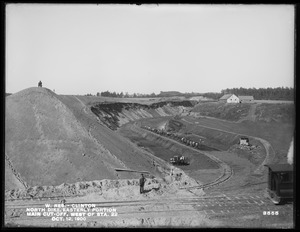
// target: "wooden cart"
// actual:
[[280, 182]]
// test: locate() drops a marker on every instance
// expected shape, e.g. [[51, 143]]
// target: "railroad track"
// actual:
[[209, 205], [217, 196], [60, 197], [227, 174]]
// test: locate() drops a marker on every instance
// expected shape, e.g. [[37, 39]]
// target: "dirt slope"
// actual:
[[114, 115], [11, 181], [50, 143], [231, 112], [257, 112]]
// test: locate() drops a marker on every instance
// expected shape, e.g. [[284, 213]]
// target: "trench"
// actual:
[[165, 148]]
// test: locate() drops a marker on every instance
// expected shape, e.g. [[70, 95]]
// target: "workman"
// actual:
[[142, 183], [40, 84], [172, 172]]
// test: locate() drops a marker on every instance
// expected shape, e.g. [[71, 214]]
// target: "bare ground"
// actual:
[[238, 202]]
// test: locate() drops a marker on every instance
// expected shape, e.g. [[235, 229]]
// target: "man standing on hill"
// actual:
[[40, 84], [142, 183]]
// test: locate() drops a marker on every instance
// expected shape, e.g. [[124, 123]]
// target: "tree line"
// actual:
[[279, 93], [125, 95], [140, 95]]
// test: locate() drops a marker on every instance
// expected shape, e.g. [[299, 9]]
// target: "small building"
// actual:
[[244, 141], [229, 98], [246, 99]]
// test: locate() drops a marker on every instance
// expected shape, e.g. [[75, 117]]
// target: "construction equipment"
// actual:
[[179, 160], [280, 182]]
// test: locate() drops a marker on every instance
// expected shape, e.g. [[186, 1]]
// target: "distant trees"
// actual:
[[126, 95], [109, 94], [140, 95], [280, 93], [213, 95]]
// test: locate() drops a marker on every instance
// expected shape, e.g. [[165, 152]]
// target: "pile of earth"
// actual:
[[114, 115], [52, 139], [255, 154], [125, 189]]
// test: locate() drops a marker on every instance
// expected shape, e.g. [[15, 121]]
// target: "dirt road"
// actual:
[[251, 114]]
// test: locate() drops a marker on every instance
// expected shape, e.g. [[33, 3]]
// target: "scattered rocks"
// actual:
[[108, 189]]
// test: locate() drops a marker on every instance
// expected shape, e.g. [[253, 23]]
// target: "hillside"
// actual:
[[264, 112], [114, 115], [283, 113], [49, 144], [231, 112]]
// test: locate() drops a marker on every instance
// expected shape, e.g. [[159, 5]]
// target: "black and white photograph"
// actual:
[[149, 115]]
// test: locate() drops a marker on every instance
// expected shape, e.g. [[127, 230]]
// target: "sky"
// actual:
[[89, 48]]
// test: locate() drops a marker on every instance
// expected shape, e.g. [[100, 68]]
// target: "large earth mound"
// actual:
[[48, 144]]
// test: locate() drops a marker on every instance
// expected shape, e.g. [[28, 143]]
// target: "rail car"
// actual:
[[280, 182]]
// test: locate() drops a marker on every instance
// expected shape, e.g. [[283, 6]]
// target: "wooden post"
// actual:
[[130, 170]]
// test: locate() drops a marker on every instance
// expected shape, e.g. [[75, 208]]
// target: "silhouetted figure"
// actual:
[[142, 183], [63, 201], [172, 172], [40, 84]]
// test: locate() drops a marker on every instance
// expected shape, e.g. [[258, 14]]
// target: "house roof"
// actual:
[[226, 96], [280, 167], [246, 97]]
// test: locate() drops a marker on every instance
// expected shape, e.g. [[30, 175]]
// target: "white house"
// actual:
[[229, 98]]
